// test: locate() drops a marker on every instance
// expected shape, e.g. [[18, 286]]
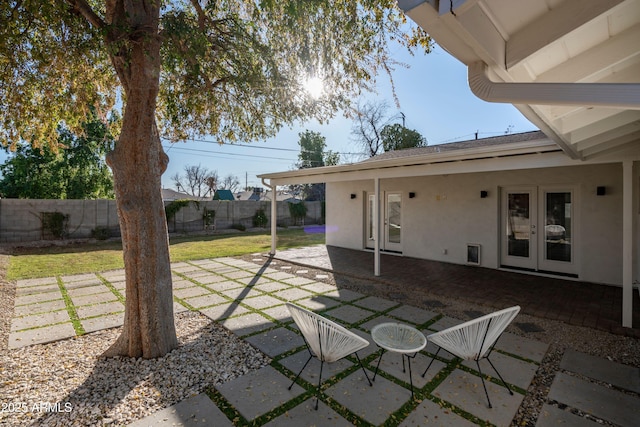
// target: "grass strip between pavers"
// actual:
[[71, 309]]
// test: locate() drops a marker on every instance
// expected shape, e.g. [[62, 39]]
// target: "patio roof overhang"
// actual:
[[572, 67]]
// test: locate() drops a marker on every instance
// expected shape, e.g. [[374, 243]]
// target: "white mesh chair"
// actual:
[[325, 340], [475, 339]]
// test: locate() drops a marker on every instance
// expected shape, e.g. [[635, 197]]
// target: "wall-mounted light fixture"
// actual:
[[353, 196], [412, 195], [601, 190], [484, 194]]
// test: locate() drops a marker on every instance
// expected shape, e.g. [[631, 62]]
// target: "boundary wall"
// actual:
[[21, 219]]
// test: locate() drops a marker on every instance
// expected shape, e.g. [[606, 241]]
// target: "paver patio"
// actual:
[[252, 306]]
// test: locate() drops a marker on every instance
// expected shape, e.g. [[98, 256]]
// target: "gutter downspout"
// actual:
[[274, 216], [613, 95]]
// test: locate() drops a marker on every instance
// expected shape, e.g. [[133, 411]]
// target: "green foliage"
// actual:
[[398, 137], [75, 170], [231, 69], [208, 216], [313, 154], [100, 233], [55, 223], [298, 211], [174, 207], [260, 218]]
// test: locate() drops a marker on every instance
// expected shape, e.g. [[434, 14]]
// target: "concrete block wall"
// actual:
[[20, 219]]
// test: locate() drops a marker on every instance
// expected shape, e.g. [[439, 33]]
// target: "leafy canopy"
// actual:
[[76, 170], [229, 68], [398, 137]]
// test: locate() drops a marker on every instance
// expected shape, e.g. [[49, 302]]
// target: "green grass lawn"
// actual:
[[29, 263]]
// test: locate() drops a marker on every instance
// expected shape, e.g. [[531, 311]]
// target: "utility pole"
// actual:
[[403, 117]]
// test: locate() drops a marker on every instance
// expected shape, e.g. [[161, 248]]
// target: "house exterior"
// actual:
[[564, 201]]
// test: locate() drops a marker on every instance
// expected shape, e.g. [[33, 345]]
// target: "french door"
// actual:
[[392, 224], [537, 229]]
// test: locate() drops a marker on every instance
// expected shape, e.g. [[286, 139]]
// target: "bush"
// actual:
[[260, 219], [298, 212], [100, 233], [55, 223]]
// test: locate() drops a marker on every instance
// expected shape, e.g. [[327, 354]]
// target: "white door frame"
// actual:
[[388, 242], [523, 240]]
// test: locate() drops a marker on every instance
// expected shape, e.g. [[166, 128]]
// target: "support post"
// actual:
[[627, 244], [274, 215], [378, 228]]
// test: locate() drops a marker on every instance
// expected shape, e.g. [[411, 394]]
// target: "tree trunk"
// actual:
[[138, 162]]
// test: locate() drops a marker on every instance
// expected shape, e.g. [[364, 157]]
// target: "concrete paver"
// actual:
[[465, 391], [259, 393], [275, 342], [38, 320], [621, 376], [552, 416], [429, 413], [305, 414], [41, 335], [195, 411], [611, 405], [373, 403]]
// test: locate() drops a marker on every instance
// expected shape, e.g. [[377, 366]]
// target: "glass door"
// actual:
[[557, 240], [519, 242], [537, 226], [393, 222], [370, 227]]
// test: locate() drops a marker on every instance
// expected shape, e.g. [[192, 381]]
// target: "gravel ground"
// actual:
[[120, 390]]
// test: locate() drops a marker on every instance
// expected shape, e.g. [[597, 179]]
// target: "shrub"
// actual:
[[100, 233], [238, 226], [55, 223], [260, 218]]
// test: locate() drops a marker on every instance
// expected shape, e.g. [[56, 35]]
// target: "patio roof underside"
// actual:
[[590, 44]]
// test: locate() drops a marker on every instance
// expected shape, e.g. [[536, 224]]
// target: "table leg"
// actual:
[[378, 365]]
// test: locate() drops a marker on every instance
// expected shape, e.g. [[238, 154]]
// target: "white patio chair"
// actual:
[[325, 340], [475, 339]]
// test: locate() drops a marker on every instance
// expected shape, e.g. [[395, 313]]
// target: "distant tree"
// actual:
[[398, 137], [197, 181], [313, 155], [75, 170], [369, 119], [230, 182]]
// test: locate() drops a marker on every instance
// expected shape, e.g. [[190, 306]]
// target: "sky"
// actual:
[[434, 97]]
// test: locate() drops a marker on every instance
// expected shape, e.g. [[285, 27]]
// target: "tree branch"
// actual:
[[83, 8]]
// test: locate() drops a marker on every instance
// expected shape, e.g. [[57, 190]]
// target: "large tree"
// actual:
[[232, 69]]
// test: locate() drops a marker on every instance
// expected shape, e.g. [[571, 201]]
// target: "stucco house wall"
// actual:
[[447, 213]]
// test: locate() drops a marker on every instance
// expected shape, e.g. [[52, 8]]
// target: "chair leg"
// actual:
[[297, 376], [483, 384], [434, 358], [500, 376], [363, 370], [319, 384]]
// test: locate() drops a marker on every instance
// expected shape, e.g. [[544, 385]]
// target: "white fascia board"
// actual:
[[462, 156]]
